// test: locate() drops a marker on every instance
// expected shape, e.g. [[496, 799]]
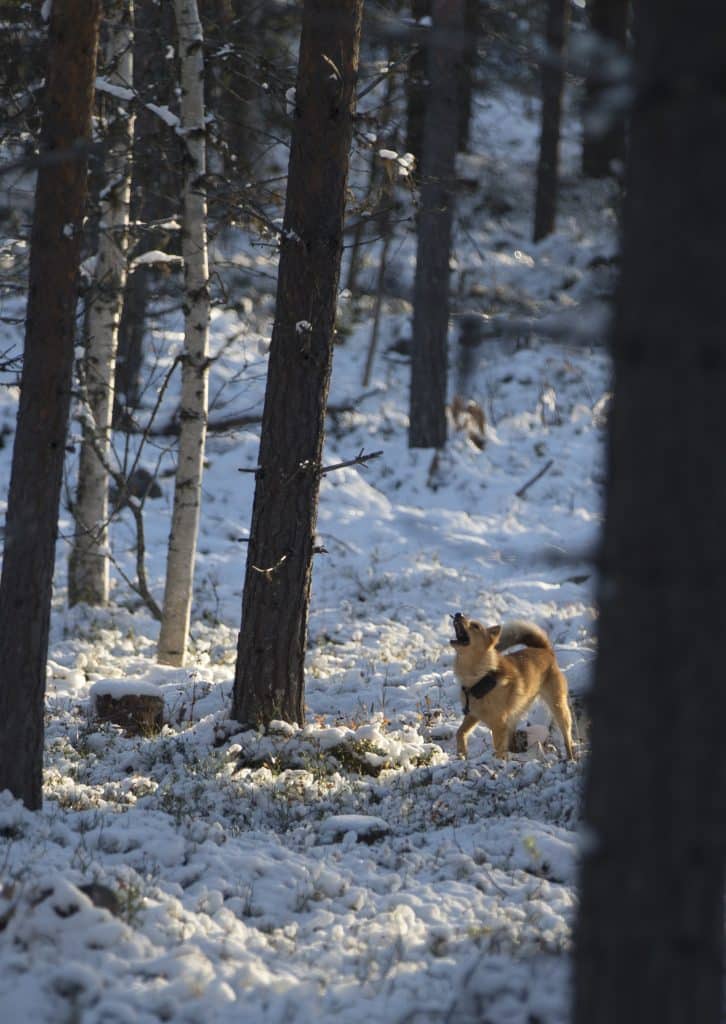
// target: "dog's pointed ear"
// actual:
[[494, 634]]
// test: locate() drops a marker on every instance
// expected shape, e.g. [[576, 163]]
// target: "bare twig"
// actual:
[[256, 210], [141, 587], [268, 573], [384, 74], [359, 460], [249, 419], [525, 487], [49, 158], [362, 222]]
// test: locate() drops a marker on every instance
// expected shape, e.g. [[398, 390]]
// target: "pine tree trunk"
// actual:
[[88, 570], [195, 365], [39, 449], [431, 285], [130, 356], [269, 678], [467, 78], [604, 132], [417, 87], [553, 79], [155, 189], [650, 937]]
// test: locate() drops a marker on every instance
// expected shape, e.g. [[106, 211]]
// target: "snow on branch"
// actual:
[[119, 91], [155, 256], [164, 113]]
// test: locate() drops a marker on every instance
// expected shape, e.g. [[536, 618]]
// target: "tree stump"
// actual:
[[138, 713]]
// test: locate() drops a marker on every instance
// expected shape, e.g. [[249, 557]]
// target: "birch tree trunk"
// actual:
[[38, 452], [269, 676], [193, 427], [88, 570]]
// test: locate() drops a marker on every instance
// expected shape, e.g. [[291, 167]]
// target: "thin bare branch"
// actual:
[[393, 66], [525, 487], [141, 587], [361, 459]]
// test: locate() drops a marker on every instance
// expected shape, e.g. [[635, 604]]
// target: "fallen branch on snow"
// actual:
[[525, 487]]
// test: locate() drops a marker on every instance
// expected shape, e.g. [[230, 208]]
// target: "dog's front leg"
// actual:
[[500, 738], [462, 735]]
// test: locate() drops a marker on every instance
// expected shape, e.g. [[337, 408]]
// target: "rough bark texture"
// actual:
[[553, 79], [32, 513], [269, 680], [195, 364], [431, 286], [604, 132], [651, 926], [88, 569]]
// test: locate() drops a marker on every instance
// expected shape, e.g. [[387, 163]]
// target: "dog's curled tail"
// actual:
[[522, 632]]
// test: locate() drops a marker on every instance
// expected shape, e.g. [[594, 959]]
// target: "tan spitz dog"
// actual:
[[497, 689]]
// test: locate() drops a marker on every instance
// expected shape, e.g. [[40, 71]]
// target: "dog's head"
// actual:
[[472, 641]]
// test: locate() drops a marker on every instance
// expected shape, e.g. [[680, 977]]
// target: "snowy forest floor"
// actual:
[[354, 869]]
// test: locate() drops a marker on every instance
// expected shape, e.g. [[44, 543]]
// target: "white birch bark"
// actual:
[[88, 571], [188, 486]]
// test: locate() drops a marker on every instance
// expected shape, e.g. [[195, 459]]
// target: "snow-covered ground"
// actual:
[[354, 869]]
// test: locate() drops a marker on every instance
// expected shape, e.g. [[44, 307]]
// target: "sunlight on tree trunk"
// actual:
[[269, 678], [195, 364], [88, 570]]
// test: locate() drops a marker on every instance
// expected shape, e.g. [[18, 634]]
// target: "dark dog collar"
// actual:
[[480, 689]]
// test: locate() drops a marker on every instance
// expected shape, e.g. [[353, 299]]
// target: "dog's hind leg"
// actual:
[[554, 694], [462, 735]]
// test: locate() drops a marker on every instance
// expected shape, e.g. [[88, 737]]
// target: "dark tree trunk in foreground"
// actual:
[[427, 427], [269, 680], [553, 80], [604, 125], [651, 927], [32, 513]]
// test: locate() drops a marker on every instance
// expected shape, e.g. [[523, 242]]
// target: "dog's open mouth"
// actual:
[[462, 635]]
